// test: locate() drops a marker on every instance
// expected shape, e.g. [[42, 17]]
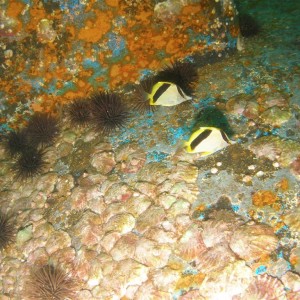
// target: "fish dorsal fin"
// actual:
[[201, 137]]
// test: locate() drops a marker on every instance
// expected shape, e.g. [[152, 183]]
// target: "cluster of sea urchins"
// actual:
[[105, 110], [27, 145]]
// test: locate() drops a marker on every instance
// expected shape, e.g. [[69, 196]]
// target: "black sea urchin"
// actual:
[[6, 231], [50, 283], [141, 100], [108, 111], [42, 129], [30, 163], [79, 112], [183, 74], [16, 142]]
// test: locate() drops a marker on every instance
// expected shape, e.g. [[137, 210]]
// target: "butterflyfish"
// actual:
[[207, 140], [167, 94]]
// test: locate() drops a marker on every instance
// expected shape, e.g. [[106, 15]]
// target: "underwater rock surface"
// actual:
[[54, 51], [131, 215]]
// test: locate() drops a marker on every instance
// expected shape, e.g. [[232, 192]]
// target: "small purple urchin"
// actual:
[[42, 129], [108, 111], [49, 282], [6, 231], [16, 142], [29, 164], [79, 112]]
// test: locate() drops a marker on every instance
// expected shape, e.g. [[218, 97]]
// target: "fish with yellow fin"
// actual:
[[167, 94], [207, 140], [171, 86]]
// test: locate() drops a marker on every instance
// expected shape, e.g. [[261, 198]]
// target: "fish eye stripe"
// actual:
[[224, 136], [160, 91], [202, 136]]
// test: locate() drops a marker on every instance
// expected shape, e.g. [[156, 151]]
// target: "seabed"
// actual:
[[130, 215]]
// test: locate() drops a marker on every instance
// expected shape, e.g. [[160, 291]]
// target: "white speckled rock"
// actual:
[[152, 254], [153, 216], [182, 223], [83, 259], [58, 240], [165, 279], [103, 162], [252, 241], [215, 258], [64, 185], [38, 200], [263, 287], [122, 223], [137, 204], [146, 188], [160, 236], [279, 267], [185, 191], [46, 183], [190, 245], [180, 207], [126, 273], [113, 209], [291, 281], [275, 116], [85, 294], [148, 291], [292, 219], [154, 172], [109, 239], [90, 179], [37, 255], [215, 231], [125, 247], [63, 255], [166, 200], [130, 158], [118, 192], [226, 283], [88, 230], [165, 187], [184, 171]]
